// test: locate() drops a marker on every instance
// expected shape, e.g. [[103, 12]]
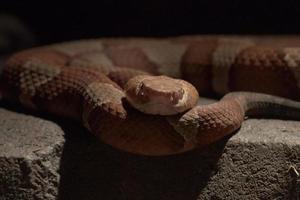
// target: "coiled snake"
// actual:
[[121, 90]]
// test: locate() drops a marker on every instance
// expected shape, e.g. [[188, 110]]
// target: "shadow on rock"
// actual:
[[92, 170]]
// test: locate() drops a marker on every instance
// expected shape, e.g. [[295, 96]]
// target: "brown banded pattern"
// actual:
[[84, 81]]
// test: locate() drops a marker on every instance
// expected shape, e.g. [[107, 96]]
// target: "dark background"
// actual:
[[52, 21]]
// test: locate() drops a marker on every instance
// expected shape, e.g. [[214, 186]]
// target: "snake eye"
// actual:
[[140, 90], [140, 93]]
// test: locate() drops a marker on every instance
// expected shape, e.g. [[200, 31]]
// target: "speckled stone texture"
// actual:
[[30, 150], [43, 158]]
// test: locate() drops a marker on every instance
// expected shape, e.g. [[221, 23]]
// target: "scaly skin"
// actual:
[[84, 80]]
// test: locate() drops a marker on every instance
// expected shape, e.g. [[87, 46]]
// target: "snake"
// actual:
[[141, 95]]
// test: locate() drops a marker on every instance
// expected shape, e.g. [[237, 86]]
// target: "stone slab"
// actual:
[[43, 158], [29, 160]]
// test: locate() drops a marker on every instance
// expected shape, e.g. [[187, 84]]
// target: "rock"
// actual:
[[29, 160], [43, 158]]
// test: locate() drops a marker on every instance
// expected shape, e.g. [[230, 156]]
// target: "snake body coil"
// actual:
[[85, 80]]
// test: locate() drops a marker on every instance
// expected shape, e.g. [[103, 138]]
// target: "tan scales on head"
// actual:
[[161, 88], [160, 94]]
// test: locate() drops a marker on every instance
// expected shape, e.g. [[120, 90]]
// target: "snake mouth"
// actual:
[[160, 95]]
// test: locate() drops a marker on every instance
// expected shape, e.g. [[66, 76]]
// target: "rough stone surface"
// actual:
[[42, 159], [30, 149]]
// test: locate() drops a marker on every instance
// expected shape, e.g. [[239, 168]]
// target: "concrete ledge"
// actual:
[[42, 159], [29, 160]]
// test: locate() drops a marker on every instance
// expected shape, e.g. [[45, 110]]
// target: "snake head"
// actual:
[[160, 95]]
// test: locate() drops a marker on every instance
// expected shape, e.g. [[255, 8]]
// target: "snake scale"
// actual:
[[107, 83]]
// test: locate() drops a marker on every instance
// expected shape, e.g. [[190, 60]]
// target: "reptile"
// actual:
[[141, 95]]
